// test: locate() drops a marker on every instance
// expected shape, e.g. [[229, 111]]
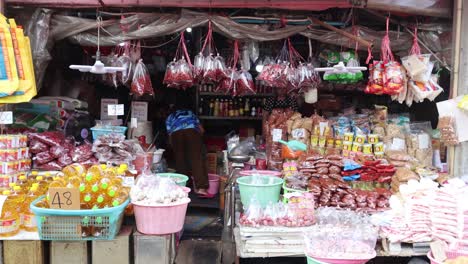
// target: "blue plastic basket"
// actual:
[[53, 224], [99, 131]]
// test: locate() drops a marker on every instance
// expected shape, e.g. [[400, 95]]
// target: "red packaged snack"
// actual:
[[50, 138], [50, 166], [141, 83], [64, 160], [43, 157], [82, 153], [244, 84], [36, 146]]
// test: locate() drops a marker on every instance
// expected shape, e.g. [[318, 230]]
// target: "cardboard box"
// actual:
[[68, 252], [115, 251], [154, 249], [212, 162], [23, 251]]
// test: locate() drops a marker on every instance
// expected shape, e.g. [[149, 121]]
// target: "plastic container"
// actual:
[[179, 179], [143, 160], [260, 172], [160, 219], [317, 260], [313, 261], [99, 131], [53, 224], [267, 189], [213, 180]]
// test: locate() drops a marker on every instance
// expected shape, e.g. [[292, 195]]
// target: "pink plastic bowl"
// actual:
[[260, 172], [342, 261], [213, 180], [160, 219]]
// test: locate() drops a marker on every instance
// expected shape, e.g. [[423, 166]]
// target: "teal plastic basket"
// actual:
[[180, 179], [64, 225], [99, 131], [265, 190]]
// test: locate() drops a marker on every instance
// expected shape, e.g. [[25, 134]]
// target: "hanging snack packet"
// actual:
[[8, 72], [25, 75], [29, 93]]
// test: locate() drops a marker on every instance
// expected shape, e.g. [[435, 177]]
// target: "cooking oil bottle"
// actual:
[[28, 220], [74, 182], [57, 183], [9, 217], [23, 181], [43, 186], [119, 198], [74, 169], [97, 170]]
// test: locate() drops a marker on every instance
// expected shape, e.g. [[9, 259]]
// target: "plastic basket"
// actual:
[[53, 224], [160, 219], [180, 179], [268, 190], [287, 190], [432, 259], [317, 260], [458, 248], [99, 131], [260, 172]]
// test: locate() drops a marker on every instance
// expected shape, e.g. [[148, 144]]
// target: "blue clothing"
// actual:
[[181, 119]]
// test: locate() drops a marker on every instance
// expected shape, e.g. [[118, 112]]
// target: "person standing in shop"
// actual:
[[186, 137]]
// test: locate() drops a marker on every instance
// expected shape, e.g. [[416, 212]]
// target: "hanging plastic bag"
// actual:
[[141, 83], [244, 84], [228, 83], [179, 72], [25, 76]]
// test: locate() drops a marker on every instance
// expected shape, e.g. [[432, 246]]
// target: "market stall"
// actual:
[[342, 142]]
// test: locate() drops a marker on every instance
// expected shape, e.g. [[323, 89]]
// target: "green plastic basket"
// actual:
[[179, 179], [268, 190], [53, 224], [287, 190], [313, 261]]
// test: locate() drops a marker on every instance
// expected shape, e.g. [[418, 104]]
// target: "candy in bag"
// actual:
[[141, 83], [244, 83], [198, 64]]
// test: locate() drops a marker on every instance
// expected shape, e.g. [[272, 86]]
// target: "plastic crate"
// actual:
[[66, 225], [99, 131]]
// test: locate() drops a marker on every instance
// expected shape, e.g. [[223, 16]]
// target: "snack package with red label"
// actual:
[[50, 166], [141, 83], [43, 157], [82, 153]]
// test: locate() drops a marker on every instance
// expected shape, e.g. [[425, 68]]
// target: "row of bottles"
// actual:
[[223, 107], [100, 187], [261, 88]]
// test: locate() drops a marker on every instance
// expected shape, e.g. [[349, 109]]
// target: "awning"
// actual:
[[310, 5]]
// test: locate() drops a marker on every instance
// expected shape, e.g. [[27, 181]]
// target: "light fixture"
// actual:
[[98, 67], [121, 44], [189, 30], [259, 67]]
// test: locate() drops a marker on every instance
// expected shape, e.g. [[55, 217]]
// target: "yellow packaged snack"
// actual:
[[8, 73], [29, 94], [25, 76]]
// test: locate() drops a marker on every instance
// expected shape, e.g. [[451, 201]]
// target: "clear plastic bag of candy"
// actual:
[[244, 84], [141, 82], [179, 72], [151, 189], [198, 64]]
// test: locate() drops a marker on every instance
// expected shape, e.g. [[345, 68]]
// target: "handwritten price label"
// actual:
[[115, 110], [64, 198], [6, 118]]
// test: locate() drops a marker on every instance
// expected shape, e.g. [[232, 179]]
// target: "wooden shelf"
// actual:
[[228, 95], [230, 117]]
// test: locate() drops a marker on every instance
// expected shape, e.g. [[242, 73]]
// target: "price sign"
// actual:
[[105, 102], [298, 133], [277, 134], [115, 109], [6, 118], [64, 198]]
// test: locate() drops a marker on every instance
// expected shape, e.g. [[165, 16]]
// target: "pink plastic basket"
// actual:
[[342, 261], [260, 172], [213, 180], [160, 219]]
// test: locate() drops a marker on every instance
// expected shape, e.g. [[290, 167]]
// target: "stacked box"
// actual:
[[14, 157]]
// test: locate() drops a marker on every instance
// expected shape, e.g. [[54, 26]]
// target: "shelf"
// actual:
[[230, 118], [227, 95]]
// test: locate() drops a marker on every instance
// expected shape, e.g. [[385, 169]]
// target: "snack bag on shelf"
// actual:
[[9, 82]]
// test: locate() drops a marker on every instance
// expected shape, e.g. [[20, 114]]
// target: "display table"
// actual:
[[23, 235]]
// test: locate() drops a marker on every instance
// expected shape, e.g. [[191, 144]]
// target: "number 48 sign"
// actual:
[[64, 198]]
